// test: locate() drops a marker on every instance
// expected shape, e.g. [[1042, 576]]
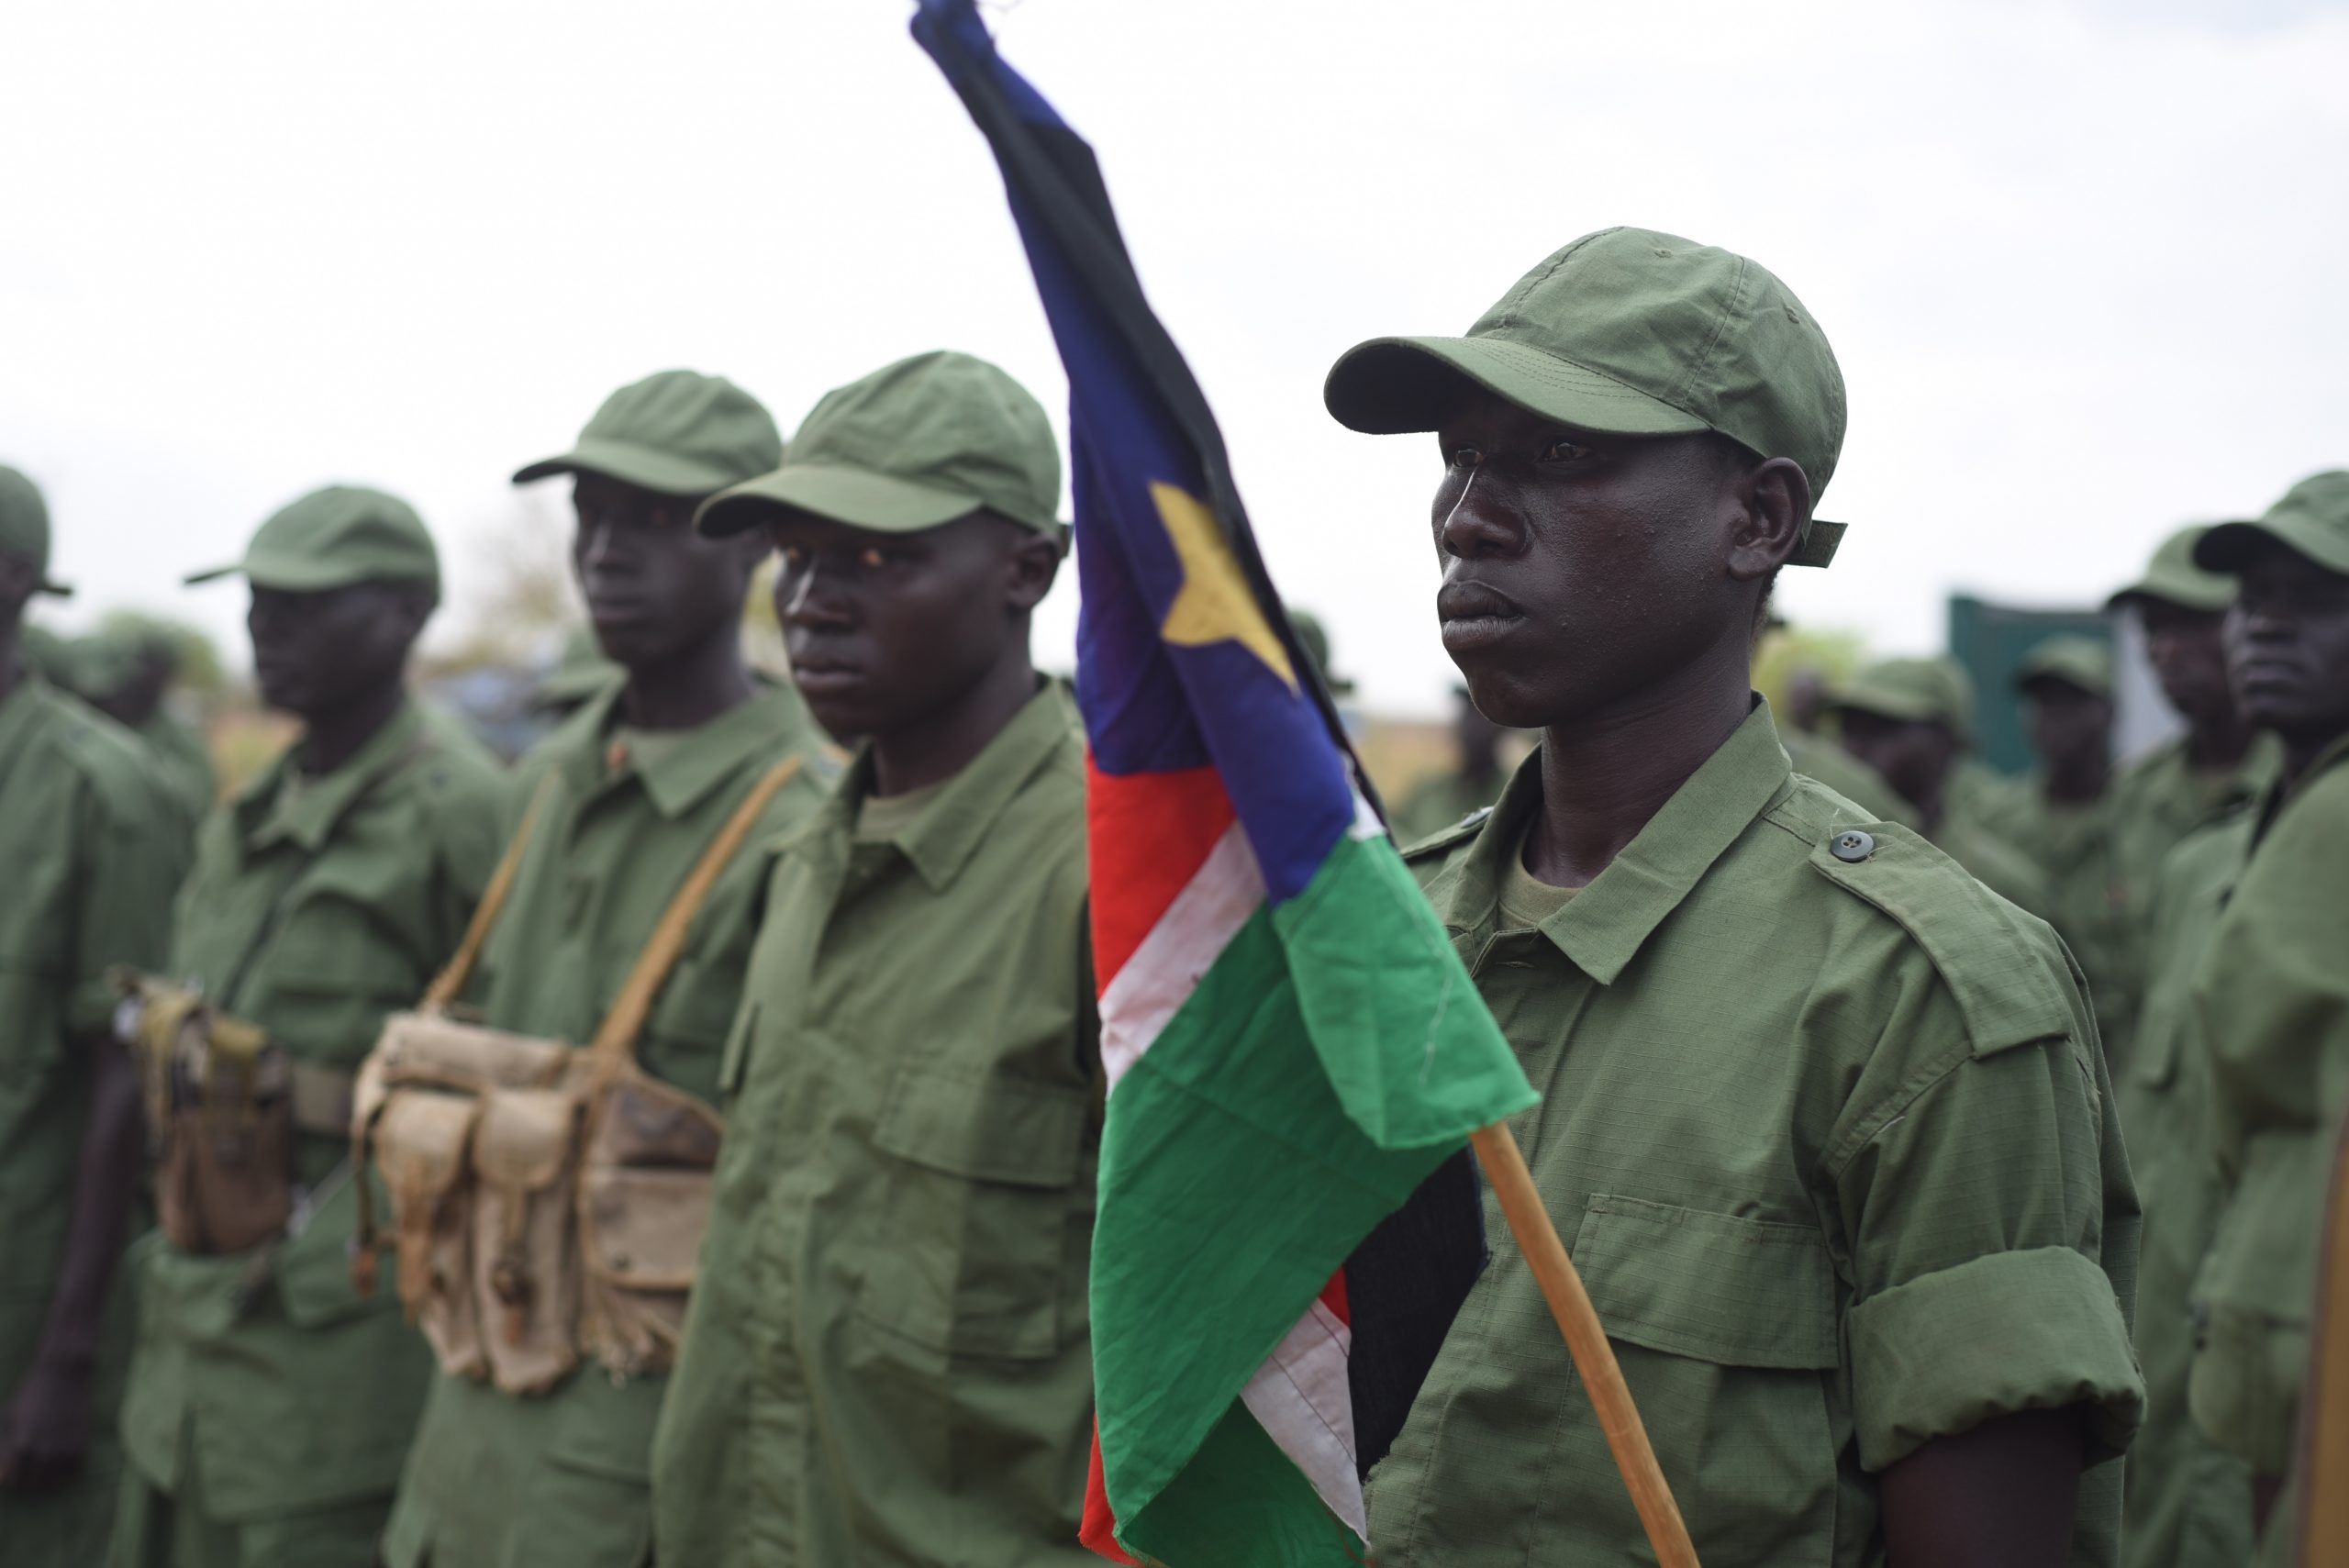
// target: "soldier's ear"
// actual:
[[1773, 502], [1035, 562]]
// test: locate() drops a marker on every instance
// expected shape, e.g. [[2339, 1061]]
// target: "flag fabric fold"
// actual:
[[1292, 1044]]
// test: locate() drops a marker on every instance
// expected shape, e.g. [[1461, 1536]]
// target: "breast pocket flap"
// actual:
[[1715, 1287], [985, 1130]]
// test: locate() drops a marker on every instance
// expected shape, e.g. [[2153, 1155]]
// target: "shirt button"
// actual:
[[1853, 845]]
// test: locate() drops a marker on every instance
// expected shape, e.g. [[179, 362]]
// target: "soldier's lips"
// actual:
[[824, 678], [1474, 616]]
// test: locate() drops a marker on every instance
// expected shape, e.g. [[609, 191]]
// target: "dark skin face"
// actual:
[[2288, 648], [2071, 732], [1606, 590], [1914, 758], [337, 660], [919, 642], [658, 592], [2189, 658]]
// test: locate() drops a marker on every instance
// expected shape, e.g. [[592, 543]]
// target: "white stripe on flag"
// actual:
[[1168, 967], [1300, 1396]]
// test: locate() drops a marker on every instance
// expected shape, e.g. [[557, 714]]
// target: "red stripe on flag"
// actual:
[[1098, 1535], [1333, 1297], [1148, 834]]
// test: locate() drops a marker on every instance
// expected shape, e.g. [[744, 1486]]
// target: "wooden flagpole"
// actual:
[[1594, 1358]]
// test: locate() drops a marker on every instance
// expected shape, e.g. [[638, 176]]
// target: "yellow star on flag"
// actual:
[[1214, 604]]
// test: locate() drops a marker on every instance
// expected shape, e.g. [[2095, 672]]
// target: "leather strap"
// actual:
[[615, 1042], [450, 984]]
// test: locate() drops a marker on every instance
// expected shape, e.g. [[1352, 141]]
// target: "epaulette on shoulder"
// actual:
[[1438, 842], [2006, 968]]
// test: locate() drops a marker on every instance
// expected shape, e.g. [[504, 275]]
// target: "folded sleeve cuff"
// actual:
[[2039, 1329]]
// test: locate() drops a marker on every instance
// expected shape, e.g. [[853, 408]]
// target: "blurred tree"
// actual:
[[1789, 653]]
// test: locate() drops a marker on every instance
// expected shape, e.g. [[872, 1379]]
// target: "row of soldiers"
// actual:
[[726, 1119]]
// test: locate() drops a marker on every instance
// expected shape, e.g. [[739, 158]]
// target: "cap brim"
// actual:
[[1391, 386], [2228, 547], [53, 588], [644, 467], [856, 496], [2186, 596], [295, 575], [1898, 707]]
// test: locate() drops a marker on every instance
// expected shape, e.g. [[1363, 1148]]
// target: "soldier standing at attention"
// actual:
[[1911, 720], [2189, 1501], [2060, 816], [889, 1359], [631, 791], [91, 857], [1827, 1123], [1474, 778], [2221, 763], [2270, 1003], [269, 1404]]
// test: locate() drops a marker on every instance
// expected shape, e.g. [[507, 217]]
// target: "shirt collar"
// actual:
[[307, 817], [943, 838], [1602, 929], [676, 779], [2278, 797]]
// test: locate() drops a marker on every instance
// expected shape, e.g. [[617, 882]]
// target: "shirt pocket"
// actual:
[[980, 1191], [1727, 1330]]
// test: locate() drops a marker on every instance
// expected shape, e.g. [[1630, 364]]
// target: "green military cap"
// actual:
[[1915, 691], [24, 528], [1627, 332], [913, 445], [2081, 662], [2312, 518], [333, 538], [2173, 579], [102, 662], [1316, 639], [678, 432]]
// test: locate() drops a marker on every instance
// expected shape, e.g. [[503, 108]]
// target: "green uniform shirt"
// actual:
[[91, 857], [1833, 1150], [2154, 803], [494, 1480], [2271, 1000], [2077, 853], [887, 1358], [267, 1386], [2188, 1503]]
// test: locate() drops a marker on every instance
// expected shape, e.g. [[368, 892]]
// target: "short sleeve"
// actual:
[[1992, 1229], [134, 854]]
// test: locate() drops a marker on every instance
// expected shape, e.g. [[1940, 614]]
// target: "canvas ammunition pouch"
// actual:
[[224, 1108], [545, 1202]]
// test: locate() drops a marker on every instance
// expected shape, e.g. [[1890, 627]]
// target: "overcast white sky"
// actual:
[[2083, 262]]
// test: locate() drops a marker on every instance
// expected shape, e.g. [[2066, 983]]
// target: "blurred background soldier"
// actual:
[[2271, 999], [2060, 816], [631, 792], [89, 854], [270, 1404], [1473, 780], [1911, 721]]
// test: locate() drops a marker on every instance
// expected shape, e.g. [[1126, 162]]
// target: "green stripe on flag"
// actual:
[[1331, 1057]]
